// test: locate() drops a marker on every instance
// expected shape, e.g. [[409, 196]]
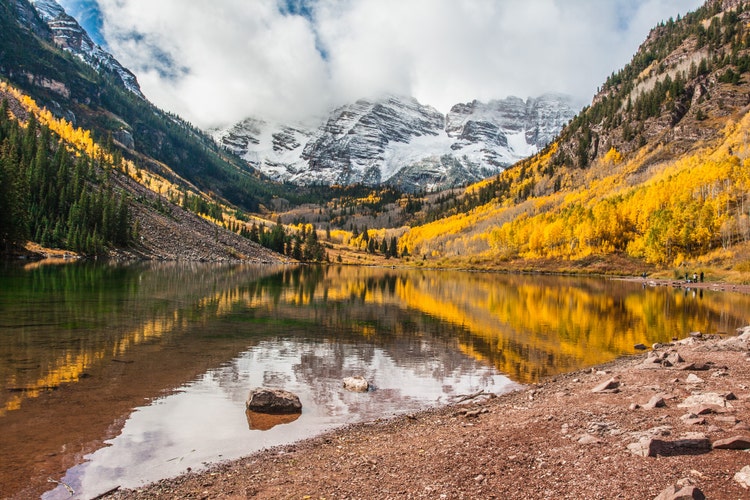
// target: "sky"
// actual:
[[215, 63]]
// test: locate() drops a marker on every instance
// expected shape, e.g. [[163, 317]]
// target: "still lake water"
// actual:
[[121, 375]]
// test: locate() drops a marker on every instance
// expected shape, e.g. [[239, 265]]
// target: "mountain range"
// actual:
[[393, 140], [397, 141], [653, 171]]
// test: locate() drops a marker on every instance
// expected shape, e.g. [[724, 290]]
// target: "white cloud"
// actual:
[[218, 62]]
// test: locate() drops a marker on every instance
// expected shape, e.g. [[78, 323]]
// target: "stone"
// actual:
[[729, 396], [589, 439], [726, 419], [743, 477], [610, 385], [273, 401], [676, 492], [692, 444], [356, 384], [675, 358], [706, 398], [705, 409], [656, 401], [696, 335], [640, 347], [741, 427], [693, 379], [733, 443]]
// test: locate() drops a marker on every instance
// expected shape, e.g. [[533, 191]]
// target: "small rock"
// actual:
[[705, 409], [727, 419], [656, 401], [634, 406], [706, 398], [611, 385], [588, 439], [743, 477], [694, 421], [675, 358], [640, 347], [729, 396], [656, 345], [356, 384], [684, 493], [696, 335], [733, 443], [742, 426], [693, 379]]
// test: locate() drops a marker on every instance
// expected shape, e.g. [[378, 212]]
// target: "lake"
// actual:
[[119, 375]]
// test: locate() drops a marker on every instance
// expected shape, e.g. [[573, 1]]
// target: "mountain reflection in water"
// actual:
[[87, 345]]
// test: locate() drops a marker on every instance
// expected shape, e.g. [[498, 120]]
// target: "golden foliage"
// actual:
[[687, 208]]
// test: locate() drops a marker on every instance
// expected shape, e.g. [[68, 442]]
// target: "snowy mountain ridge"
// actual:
[[70, 36], [397, 141]]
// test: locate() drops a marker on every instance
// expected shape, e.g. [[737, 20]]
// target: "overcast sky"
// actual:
[[217, 62]]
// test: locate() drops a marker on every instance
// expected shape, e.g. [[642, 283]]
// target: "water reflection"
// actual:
[[83, 345], [206, 420]]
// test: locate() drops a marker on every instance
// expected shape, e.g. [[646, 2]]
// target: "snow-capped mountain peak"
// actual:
[[70, 36], [396, 140]]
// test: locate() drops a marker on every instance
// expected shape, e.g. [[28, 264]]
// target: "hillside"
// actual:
[[654, 173], [49, 57]]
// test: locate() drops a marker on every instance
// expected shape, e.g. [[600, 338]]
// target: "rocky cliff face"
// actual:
[[70, 36], [398, 141]]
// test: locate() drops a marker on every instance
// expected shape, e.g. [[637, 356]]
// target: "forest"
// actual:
[[54, 197]]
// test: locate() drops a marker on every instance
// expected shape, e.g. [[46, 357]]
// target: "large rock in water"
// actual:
[[275, 401]]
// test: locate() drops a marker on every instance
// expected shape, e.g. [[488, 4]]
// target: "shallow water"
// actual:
[[121, 375]]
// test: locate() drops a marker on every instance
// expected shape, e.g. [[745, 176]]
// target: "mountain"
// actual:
[[101, 170], [70, 36], [398, 141], [653, 173], [48, 56]]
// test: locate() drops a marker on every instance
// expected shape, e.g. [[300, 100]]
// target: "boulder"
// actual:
[[356, 384], [274, 401], [681, 493], [733, 443], [693, 444]]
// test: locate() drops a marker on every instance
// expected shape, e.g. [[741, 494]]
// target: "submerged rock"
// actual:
[[274, 401]]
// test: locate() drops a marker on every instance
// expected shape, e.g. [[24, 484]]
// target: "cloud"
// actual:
[[218, 62]]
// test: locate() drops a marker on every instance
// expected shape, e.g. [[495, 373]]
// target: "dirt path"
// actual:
[[558, 439]]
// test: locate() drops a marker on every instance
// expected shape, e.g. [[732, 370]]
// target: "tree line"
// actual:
[[55, 198]]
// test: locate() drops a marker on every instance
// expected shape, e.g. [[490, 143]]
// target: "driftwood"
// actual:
[[467, 397]]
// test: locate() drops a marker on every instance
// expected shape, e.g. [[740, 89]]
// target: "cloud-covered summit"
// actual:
[[218, 62]]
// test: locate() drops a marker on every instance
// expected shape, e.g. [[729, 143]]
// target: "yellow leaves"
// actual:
[[613, 157], [687, 207]]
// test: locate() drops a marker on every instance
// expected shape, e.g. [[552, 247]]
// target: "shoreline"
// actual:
[[558, 438]]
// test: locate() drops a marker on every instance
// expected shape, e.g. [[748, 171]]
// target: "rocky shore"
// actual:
[[670, 423]]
